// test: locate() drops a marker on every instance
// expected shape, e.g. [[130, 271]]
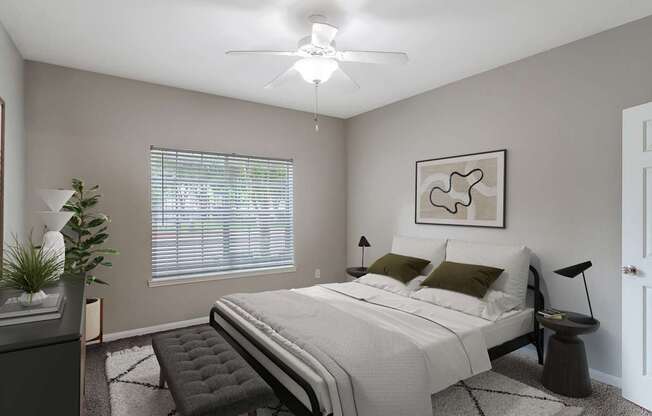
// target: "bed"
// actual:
[[381, 346], [309, 392]]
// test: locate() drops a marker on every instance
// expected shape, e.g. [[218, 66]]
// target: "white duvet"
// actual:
[[387, 353]]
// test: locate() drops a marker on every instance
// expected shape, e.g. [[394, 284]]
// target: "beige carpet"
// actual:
[[132, 375], [605, 401]]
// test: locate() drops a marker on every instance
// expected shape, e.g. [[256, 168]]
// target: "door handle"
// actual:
[[630, 270]]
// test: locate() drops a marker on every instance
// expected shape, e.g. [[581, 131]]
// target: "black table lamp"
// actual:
[[575, 270], [363, 243]]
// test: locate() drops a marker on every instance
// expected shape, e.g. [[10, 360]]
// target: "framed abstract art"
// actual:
[[464, 190]]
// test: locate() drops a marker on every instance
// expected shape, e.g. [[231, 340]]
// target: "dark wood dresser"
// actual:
[[42, 363]]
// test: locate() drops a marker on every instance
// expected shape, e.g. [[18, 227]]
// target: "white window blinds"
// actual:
[[215, 213]]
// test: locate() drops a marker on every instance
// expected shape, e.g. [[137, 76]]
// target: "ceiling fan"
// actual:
[[319, 59]]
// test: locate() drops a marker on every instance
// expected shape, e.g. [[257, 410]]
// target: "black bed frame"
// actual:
[[299, 409]]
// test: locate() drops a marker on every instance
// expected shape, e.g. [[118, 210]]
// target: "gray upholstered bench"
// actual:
[[206, 376]]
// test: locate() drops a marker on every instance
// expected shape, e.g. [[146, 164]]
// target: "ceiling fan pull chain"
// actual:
[[316, 116]]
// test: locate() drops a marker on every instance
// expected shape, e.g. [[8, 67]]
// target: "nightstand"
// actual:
[[356, 271], [566, 370]]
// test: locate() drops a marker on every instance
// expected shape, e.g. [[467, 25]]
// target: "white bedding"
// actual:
[[512, 325], [429, 336]]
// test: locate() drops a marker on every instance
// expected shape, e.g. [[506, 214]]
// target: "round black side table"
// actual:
[[356, 271], [566, 370]]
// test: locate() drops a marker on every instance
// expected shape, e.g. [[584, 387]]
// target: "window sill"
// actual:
[[209, 277]]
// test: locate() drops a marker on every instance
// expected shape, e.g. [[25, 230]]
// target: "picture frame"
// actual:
[[464, 190]]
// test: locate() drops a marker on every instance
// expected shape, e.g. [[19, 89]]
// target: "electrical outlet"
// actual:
[[317, 274]]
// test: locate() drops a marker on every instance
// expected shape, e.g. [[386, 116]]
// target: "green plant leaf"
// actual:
[[96, 222], [86, 232], [90, 202], [105, 251], [97, 239], [67, 237], [90, 279], [77, 184], [71, 207], [26, 268]]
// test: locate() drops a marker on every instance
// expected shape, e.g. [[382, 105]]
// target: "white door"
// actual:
[[637, 255]]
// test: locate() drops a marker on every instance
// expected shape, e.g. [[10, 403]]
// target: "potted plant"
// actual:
[[85, 234], [29, 269]]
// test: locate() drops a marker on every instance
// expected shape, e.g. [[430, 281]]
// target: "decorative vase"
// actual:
[[32, 299], [54, 245]]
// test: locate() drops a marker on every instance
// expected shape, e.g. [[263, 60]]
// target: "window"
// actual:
[[218, 213]]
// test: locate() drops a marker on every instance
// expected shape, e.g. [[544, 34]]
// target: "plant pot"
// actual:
[[32, 299], [94, 319]]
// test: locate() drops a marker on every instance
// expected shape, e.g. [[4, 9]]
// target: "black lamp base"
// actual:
[[583, 320]]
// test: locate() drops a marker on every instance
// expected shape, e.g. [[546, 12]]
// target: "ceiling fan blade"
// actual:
[[282, 78], [373, 57], [342, 80], [323, 34], [275, 53]]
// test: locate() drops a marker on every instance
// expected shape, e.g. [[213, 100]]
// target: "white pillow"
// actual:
[[415, 284], [390, 284], [514, 260], [422, 248], [491, 307]]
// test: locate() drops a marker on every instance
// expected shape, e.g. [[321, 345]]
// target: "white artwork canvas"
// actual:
[[462, 190]]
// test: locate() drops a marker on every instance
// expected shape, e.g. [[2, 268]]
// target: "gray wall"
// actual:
[[99, 128], [559, 116], [11, 91]]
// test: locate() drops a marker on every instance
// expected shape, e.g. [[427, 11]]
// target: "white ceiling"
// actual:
[[181, 43]]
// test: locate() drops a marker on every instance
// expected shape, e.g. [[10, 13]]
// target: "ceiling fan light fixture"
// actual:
[[316, 70], [320, 57]]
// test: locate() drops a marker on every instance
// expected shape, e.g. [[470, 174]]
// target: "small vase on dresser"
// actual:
[[32, 299]]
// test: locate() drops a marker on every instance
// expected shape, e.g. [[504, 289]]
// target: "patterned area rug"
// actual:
[[133, 374]]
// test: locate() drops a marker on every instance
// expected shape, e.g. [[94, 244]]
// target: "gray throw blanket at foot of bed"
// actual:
[[377, 372]]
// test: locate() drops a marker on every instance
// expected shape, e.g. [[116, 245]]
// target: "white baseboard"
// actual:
[[595, 374], [604, 378], [156, 328]]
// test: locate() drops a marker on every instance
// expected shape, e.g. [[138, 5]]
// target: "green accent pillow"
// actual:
[[401, 268], [470, 279]]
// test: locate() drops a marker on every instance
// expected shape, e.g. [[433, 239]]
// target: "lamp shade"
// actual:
[[55, 198], [55, 221], [316, 70], [574, 270], [363, 242]]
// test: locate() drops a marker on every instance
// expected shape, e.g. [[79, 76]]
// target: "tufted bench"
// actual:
[[206, 376]]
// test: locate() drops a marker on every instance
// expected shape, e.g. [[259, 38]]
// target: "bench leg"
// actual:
[[161, 379]]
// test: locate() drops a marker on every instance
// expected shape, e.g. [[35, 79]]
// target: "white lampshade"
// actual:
[[55, 198], [55, 221], [316, 70]]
